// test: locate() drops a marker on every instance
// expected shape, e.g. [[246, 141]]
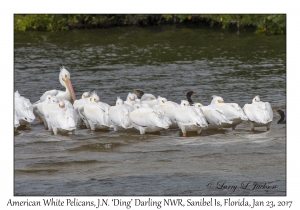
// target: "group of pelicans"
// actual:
[[61, 112]]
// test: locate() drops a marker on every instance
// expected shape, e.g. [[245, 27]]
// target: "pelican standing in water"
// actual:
[[214, 116], [119, 115], [232, 111], [259, 113], [23, 110], [61, 119], [189, 119], [68, 94], [96, 113], [146, 119]]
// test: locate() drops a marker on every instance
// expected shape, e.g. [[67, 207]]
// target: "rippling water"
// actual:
[[166, 61]]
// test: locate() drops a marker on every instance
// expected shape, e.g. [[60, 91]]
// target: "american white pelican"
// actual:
[[131, 99], [65, 80], [61, 119], [232, 111], [47, 107], [189, 119], [24, 110], [119, 115], [168, 107], [96, 113], [282, 119], [259, 113], [215, 117], [78, 107], [146, 119]]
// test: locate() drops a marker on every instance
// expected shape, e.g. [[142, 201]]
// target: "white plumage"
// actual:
[[189, 119], [61, 119], [259, 113], [232, 111], [23, 110], [119, 115], [65, 80], [79, 109], [168, 107], [96, 113], [146, 119], [215, 117]]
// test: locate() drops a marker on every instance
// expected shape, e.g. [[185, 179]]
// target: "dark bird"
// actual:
[[189, 95], [282, 117]]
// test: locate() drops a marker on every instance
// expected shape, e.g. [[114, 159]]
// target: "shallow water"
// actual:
[[166, 61]]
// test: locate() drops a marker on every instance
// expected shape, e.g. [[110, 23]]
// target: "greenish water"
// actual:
[[166, 61]]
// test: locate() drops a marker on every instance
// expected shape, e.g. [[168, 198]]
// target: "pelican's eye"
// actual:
[[53, 100], [48, 98], [184, 104], [163, 101], [90, 99], [198, 105], [95, 100], [130, 98], [118, 103], [66, 76]]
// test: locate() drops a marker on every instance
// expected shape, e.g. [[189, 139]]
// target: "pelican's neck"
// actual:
[[281, 117]]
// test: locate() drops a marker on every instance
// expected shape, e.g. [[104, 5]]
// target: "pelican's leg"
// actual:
[[142, 130], [184, 134], [199, 131], [54, 130], [233, 127], [73, 132], [252, 126], [268, 127]]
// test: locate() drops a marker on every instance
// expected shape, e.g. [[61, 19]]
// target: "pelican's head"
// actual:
[[198, 105], [184, 103], [17, 94], [217, 100], [61, 104], [256, 99], [85, 95], [137, 106], [161, 100], [119, 101], [131, 97], [65, 80], [54, 100], [94, 97]]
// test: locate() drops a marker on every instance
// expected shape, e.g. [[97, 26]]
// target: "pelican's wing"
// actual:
[[189, 115], [24, 109], [94, 113], [119, 115], [145, 117], [168, 110], [269, 110], [254, 113], [148, 97], [238, 111], [63, 119], [214, 116]]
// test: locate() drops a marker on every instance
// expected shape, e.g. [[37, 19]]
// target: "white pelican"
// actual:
[[189, 119], [146, 119], [96, 113], [78, 107], [215, 117], [232, 111], [168, 107], [130, 100], [47, 107], [24, 110], [119, 115], [65, 80], [259, 113], [61, 119]]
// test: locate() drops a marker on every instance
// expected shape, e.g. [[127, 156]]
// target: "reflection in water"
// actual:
[[166, 61]]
